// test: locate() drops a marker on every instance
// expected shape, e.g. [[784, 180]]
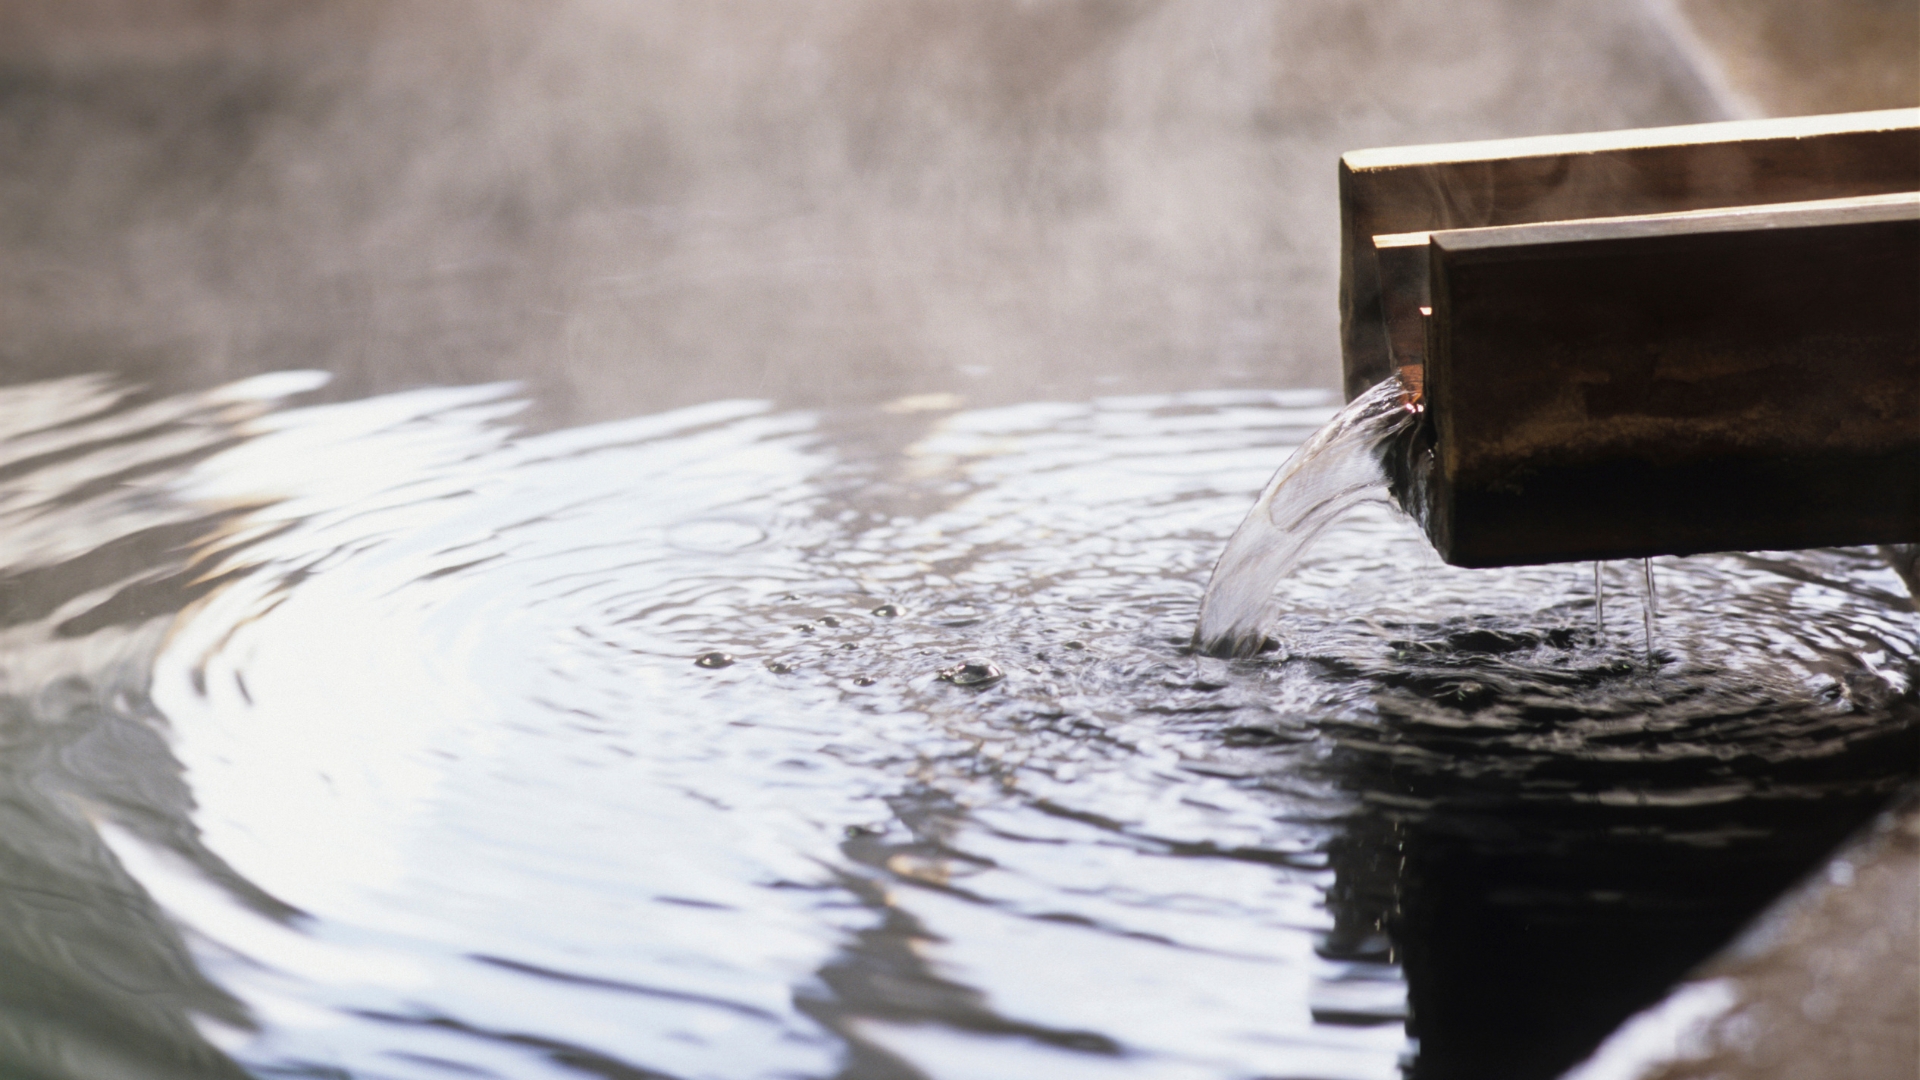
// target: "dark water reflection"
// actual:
[[366, 739]]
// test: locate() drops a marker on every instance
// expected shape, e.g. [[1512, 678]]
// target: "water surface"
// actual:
[[367, 739]]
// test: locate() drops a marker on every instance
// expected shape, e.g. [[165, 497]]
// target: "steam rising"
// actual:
[[643, 205]]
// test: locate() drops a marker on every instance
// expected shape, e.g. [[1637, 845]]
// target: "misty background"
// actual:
[[637, 205]]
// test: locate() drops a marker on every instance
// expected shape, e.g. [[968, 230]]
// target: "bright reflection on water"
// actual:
[[368, 737]]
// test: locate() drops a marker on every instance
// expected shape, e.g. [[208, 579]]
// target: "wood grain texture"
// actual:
[[1708, 381], [1600, 174]]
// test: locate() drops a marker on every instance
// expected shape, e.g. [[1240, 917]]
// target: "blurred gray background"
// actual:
[[636, 205]]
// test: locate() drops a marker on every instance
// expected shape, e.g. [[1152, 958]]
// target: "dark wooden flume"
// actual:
[[1641, 343]]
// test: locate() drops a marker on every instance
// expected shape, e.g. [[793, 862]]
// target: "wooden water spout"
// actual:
[[1649, 342]]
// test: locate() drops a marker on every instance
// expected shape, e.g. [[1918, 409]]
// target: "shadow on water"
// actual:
[[96, 981], [1537, 895]]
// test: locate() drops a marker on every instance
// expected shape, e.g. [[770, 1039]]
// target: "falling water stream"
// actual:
[[1340, 468], [366, 738]]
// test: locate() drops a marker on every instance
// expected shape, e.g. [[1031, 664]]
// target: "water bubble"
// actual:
[[863, 680], [779, 667], [886, 611], [973, 673], [1076, 644], [713, 660], [961, 614]]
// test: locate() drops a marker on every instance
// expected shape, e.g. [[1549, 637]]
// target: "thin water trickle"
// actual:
[[1648, 611], [380, 739], [1599, 603]]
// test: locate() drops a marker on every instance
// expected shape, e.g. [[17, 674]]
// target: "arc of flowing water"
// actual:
[[1341, 466]]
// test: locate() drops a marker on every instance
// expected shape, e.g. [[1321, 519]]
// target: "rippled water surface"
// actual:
[[367, 739]]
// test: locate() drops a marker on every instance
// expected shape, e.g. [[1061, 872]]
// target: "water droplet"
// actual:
[[972, 673], [713, 660], [828, 620], [779, 667], [886, 611], [863, 680]]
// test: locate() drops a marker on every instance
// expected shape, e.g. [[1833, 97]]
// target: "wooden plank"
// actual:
[[1598, 174], [1666, 384]]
